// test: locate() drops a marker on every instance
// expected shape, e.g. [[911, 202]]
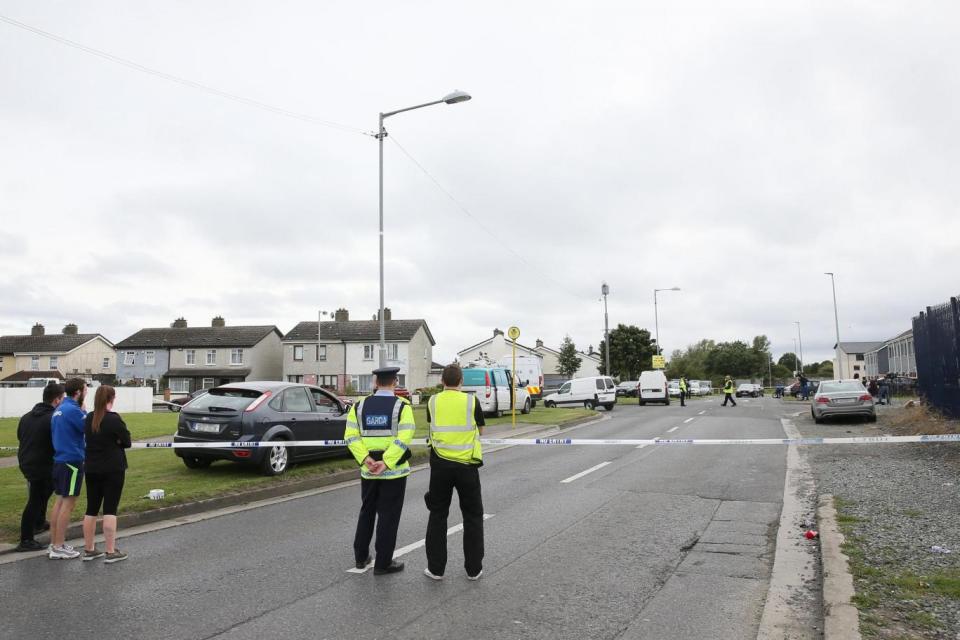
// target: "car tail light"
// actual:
[[241, 453], [486, 380], [259, 401], [866, 397], [823, 400]]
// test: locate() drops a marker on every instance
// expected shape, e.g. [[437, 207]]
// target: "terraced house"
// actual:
[[183, 358], [60, 355]]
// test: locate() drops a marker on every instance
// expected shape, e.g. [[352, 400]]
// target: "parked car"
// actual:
[[842, 398], [592, 392], [177, 404], [261, 412], [759, 388], [402, 392], [706, 388], [653, 387], [693, 388], [673, 387], [491, 385], [628, 388], [747, 389]]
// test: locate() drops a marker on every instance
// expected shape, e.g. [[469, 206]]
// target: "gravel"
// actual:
[[906, 500]]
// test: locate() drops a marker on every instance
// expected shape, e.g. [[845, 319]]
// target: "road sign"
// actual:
[[659, 362], [513, 333]]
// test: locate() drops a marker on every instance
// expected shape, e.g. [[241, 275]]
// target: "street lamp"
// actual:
[[836, 320], [605, 290], [797, 322], [656, 316], [451, 98], [796, 360]]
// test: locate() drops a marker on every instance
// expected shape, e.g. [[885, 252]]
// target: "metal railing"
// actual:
[[936, 341]]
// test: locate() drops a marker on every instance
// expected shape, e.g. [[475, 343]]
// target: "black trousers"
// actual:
[[39, 490], [729, 396], [444, 478], [382, 505], [683, 396]]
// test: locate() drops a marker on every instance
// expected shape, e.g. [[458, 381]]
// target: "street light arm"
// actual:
[[419, 106]]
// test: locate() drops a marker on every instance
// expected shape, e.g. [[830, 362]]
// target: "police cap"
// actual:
[[386, 374]]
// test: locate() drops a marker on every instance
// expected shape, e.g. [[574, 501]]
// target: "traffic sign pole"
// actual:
[[513, 333]]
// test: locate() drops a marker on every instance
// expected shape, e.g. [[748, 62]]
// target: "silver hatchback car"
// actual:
[[842, 398]]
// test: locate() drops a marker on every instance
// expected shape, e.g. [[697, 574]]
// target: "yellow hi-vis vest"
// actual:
[[453, 431], [683, 384], [388, 428], [728, 386]]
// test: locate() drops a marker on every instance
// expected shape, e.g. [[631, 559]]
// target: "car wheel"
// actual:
[[175, 408], [196, 463], [533, 403], [275, 461], [549, 405], [499, 413], [610, 406], [526, 407], [872, 418], [590, 404], [642, 403]]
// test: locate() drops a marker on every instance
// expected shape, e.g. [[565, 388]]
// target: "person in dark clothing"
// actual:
[[874, 388], [106, 464], [35, 456]]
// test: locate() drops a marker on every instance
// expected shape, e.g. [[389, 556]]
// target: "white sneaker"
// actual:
[[63, 553], [432, 576], [476, 577]]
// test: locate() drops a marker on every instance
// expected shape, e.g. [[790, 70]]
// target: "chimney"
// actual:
[[387, 314], [70, 330], [497, 332], [539, 343], [179, 323], [218, 322], [341, 315], [37, 330]]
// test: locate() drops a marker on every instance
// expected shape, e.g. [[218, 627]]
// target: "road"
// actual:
[[582, 542]]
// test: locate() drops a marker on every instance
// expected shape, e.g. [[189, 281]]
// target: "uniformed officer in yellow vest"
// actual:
[[683, 391], [456, 421], [379, 430], [728, 392]]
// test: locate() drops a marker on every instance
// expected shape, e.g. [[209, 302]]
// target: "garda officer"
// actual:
[[378, 433], [728, 391], [683, 390], [455, 420]]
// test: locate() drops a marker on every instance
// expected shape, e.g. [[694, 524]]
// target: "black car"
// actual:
[[177, 403], [261, 412]]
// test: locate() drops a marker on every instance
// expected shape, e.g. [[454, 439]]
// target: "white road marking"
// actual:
[[672, 429], [402, 551], [702, 412], [688, 420], [641, 446], [583, 473]]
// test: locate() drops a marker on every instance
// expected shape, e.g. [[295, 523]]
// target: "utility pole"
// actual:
[[605, 290], [800, 339], [836, 320]]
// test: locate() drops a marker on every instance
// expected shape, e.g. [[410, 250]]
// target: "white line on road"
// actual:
[[583, 473], [702, 412], [688, 420], [672, 429], [402, 551], [641, 446]]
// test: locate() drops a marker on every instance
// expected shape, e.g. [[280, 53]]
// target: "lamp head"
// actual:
[[456, 96], [605, 289]]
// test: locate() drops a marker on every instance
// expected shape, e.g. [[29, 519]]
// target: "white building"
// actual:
[[853, 360], [498, 346], [895, 356]]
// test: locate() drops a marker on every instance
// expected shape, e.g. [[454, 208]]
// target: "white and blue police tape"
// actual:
[[254, 444]]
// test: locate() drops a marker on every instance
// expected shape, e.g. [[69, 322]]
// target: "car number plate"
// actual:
[[845, 400], [203, 427]]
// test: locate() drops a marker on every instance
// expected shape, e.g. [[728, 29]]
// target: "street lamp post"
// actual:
[[836, 321], [452, 98], [656, 316], [796, 360], [605, 290], [800, 339]]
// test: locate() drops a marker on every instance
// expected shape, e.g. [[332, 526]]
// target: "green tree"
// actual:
[[568, 363], [732, 358], [826, 369], [782, 373], [631, 351], [788, 361], [692, 362]]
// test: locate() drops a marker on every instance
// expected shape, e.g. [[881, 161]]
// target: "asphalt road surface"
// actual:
[[582, 542]]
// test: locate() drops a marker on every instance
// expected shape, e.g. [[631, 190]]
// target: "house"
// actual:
[[853, 361], [342, 353], [895, 356], [498, 346], [66, 354], [589, 364], [190, 358], [434, 376]]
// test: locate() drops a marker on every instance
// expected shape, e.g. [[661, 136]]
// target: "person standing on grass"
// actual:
[[66, 428], [35, 456], [107, 437]]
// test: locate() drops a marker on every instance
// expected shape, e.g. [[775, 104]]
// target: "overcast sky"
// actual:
[[735, 150]]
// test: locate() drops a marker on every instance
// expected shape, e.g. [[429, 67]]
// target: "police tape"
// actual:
[[255, 444]]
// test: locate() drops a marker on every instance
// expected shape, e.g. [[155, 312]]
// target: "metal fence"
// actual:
[[936, 341]]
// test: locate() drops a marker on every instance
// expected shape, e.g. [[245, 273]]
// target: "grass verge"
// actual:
[[141, 425]]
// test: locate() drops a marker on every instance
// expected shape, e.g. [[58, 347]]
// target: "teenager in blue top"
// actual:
[[69, 451]]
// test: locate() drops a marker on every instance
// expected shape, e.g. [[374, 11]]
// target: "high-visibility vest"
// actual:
[[683, 384], [381, 424], [728, 386], [453, 430]]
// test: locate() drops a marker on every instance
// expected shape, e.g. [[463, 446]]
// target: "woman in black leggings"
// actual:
[[106, 464]]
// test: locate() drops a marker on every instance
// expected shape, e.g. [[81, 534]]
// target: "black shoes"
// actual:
[[393, 567], [30, 545], [363, 564]]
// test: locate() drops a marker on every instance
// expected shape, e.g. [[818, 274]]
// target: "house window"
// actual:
[[368, 351], [298, 352], [236, 356], [401, 380], [362, 384], [129, 358], [149, 358], [329, 382], [321, 352], [208, 383], [1, 363], [211, 356], [106, 363], [54, 363], [294, 378], [859, 356], [393, 352], [191, 356], [35, 363], [180, 385], [856, 367]]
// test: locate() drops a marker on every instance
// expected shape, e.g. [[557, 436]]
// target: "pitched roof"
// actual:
[[859, 347], [23, 376], [532, 350], [357, 331], [53, 343], [170, 337]]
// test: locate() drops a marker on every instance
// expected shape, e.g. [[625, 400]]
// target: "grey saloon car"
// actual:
[[260, 412], [837, 398]]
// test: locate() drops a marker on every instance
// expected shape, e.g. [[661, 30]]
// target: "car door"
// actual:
[[332, 417], [504, 391], [301, 418], [563, 395]]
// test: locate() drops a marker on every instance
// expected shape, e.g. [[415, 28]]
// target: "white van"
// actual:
[[593, 392], [529, 372], [491, 385], [653, 387]]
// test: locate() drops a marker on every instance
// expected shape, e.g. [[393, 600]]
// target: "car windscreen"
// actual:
[[840, 387], [225, 399], [474, 377]]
